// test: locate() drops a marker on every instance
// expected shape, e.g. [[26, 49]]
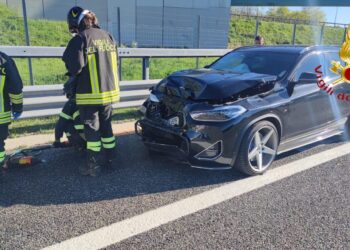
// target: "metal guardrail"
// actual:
[[144, 53], [52, 52], [46, 100]]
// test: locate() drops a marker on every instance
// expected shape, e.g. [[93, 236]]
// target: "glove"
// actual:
[[58, 144], [69, 87], [16, 115]]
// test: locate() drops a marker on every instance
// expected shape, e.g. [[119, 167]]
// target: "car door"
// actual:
[[308, 107], [341, 105]]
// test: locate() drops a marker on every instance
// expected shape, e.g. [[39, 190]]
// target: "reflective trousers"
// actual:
[[98, 131], [4, 132]]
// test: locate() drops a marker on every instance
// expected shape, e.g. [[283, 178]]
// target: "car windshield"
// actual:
[[262, 62]]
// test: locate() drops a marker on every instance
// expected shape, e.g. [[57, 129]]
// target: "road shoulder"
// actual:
[[40, 139]]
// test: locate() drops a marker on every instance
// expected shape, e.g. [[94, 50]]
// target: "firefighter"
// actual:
[[91, 57], [69, 121], [11, 98]]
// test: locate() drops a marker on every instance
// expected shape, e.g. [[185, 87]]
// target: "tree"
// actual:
[[282, 12], [314, 14], [307, 13], [246, 10]]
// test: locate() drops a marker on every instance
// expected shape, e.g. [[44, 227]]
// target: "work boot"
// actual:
[[80, 151], [84, 169], [93, 164], [108, 161]]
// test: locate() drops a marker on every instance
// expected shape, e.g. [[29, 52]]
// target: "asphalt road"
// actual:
[[49, 203]]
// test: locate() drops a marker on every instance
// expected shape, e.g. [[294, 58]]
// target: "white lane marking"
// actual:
[[127, 228]]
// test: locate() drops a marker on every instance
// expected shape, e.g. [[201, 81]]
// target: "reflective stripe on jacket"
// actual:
[[92, 57], [11, 95]]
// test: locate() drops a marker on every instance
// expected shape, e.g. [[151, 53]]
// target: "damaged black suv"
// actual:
[[245, 108]]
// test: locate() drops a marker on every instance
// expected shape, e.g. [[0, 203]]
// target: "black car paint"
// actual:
[[284, 105], [216, 85]]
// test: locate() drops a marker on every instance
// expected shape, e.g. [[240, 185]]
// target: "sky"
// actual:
[[331, 14]]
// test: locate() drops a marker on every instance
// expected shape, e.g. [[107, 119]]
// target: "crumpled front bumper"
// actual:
[[183, 146], [163, 140]]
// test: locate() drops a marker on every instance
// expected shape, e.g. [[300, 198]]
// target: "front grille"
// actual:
[[161, 114]]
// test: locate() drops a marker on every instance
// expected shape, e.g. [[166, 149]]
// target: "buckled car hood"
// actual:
[[209, 84]]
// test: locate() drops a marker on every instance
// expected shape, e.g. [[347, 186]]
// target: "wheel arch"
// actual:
[[271, 117]]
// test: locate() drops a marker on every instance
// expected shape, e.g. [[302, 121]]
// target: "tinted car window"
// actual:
[[308, 65], [265, 62]]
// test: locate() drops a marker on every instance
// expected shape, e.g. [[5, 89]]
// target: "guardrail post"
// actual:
[[120, 68], [294, 32], [145, 68], [345, 32]]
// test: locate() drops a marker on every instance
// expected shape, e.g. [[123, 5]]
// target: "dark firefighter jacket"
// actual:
[[69, 121], [11, 96], [92, 56]]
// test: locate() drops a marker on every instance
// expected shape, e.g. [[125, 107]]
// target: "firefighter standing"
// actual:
[[91, 57], [11, 98]]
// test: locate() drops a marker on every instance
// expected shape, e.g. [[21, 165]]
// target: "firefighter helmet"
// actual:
[[74, 17]]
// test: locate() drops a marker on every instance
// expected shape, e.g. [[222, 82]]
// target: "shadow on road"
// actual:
[[58, 182]]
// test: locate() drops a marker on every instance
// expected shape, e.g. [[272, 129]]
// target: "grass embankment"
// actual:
[[242, 32], [46, 125], [55, 33]]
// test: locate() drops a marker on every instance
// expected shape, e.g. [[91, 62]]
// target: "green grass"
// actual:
[[42, 32], [51, 71], [242, 32], [55, 33], [46, 125]]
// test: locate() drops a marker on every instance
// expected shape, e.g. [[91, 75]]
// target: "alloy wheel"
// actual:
[[262, 148]]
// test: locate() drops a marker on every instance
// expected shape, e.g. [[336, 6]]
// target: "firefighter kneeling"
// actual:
[[91, 57], [11, 98], [69, 121]]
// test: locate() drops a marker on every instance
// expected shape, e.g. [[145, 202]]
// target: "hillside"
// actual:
[[42, 32]]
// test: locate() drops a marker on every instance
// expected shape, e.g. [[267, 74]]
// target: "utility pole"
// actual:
[[26, 30]]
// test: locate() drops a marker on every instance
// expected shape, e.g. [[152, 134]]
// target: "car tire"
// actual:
[[152, 153], [258, 148]]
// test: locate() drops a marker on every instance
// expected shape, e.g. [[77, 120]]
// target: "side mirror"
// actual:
[[307, 78]]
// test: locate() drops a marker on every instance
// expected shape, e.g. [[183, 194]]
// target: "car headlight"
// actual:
[[153, 98], [219, 114]]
